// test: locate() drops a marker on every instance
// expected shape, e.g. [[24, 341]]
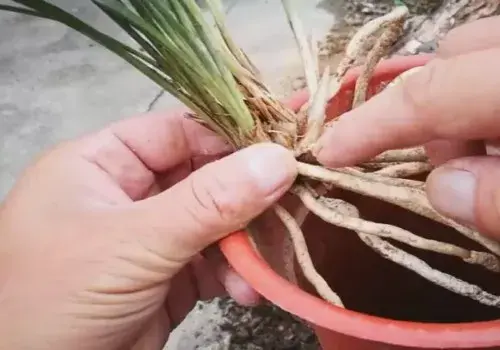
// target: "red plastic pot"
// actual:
[[339, 258]]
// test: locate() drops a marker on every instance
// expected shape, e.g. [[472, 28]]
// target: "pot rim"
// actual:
[[241, 255]]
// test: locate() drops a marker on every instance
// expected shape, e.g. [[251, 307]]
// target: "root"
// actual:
[[405, 169], [335, 85], [327, 209], [416, 154], [356, 46], [316, 115], [319, 92], [373, 166], [382, 178], [453, 284], [314, 45], [306, 53], [304, 259], [412, 199], [420, 267], [381, 48], [289, 259]]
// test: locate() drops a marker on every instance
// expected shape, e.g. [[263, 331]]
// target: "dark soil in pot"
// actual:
[[265, 327]]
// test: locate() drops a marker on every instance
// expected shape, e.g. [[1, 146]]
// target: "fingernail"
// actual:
[[318, 151], [272, 166], [324, 154], [317, 147], [239, 289], [452, 191]]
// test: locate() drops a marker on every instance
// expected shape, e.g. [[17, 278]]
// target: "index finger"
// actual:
[[453, 99], [478, 35], [133, 151], [159, 140]]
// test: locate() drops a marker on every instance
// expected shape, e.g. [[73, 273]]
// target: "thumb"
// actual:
[[215, 200], [468, 191]]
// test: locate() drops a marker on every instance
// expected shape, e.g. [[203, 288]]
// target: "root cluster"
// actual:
[[385, 177]]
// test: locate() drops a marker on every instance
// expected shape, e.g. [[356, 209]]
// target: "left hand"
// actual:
[[101, 238]]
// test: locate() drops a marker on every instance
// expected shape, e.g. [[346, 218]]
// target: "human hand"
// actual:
[[101, 238], [451, 106]]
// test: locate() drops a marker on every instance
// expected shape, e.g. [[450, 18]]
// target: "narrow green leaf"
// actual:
[[193, 47], [179, 11], [54, 13], [140, 39], [239, 111], [22, 10], [120, 11], [217, 11]]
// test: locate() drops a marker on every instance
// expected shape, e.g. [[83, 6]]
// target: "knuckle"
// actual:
[[487, 197], [495, 222], [420, 92], [416, 90], [215, 205], [449, 43]]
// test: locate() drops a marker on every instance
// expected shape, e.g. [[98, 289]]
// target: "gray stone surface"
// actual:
[[56, 84]]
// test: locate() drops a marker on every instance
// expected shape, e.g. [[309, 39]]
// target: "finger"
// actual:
[[297, 100], [441, 151], [191, 284], [454, 99], [467, 190], [492, 147], [237, 287], [182, 171], [163, 141], [233, 283], [478, 35], [132, 151], [182, 295], [219, 198], [154, 334], [174, 175], [207, 283]]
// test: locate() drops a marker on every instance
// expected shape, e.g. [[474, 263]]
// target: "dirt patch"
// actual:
[[352, 14], [224, 325], [265, 327]]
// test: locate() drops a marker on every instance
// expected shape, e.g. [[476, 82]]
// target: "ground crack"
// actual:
[[155, 100]]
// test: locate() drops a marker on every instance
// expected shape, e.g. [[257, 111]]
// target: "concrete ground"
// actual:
[[55, 84]]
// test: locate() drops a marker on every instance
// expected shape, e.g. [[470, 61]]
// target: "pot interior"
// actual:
[[370, 284]]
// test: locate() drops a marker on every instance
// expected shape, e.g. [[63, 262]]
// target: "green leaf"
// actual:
[[183, 54], [239, 111], [21, 10], [216, 9]]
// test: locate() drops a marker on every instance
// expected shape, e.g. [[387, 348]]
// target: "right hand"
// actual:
[[452, 105]]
